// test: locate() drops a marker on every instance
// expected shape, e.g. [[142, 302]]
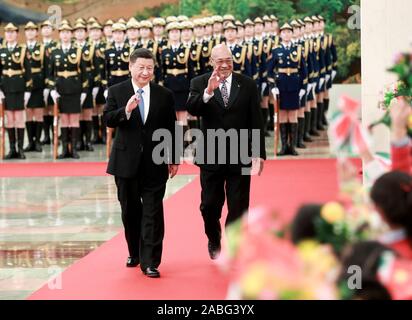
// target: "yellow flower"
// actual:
[[332, 212], [410, 122], [254, 280]]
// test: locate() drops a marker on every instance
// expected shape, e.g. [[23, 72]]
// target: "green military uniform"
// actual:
[[15, 80], [38, 61], [68, 76]]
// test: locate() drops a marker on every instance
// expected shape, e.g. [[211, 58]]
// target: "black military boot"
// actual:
[[301, 131], [20, 142], [65, 144], [12, 141], [284, 139], [265, 113], [95, 121], [313, 118], [30, 126], [88, 135], [271, 124], [325, 112], [74, 136], [306, 135], [319, 125], [80, 145], [293, 135], [104, 131], [38, 130], [47, 123]]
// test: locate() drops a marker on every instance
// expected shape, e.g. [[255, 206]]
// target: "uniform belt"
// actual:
[[119, 73], [35, 70], [12, 72], [176, 72], [67, 74], [288, 71]]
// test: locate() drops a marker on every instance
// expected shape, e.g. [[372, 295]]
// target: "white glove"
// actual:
[[95, 91], [333, 74], [82, 98], [46, 93], [1, 95], [55, 95], [314, 89], [264, 85], [308, 89], [105, 94], [275, 91], [321, 82], [26, 98], [301, 93], [327, 78]]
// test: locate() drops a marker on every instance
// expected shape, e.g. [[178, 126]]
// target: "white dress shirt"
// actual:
[[207, 97], [146, 100]]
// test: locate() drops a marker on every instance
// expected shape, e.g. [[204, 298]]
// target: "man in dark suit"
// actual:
[[228, 102], [137, 108]]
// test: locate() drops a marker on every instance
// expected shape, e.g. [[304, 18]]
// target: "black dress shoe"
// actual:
[[151, 272], [214, 250], [132, 262]]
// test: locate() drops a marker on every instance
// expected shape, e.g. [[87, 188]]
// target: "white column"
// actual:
[[386, 30]]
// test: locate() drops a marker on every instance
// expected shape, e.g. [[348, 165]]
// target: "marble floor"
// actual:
[[46, 224]]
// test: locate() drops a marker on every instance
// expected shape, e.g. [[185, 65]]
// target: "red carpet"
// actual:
[[65, 169], [187, 272]]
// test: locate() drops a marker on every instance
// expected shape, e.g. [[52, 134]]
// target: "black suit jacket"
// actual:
[[242, 112], [131, 154]]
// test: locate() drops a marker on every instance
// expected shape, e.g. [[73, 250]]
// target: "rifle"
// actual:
[[2, 130], [276, 125], [109, 134], [55, 130]]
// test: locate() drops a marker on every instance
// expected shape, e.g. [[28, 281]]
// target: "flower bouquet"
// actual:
[[402, 88]]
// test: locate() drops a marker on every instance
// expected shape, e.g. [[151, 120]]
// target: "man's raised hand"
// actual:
[[132, 103], [213, 83]]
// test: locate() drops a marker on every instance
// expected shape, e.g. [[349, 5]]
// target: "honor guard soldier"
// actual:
[[15, 87], [240, 36], [68, 82], [275, 27], [147, 42], [93, 80], [320, 64], [288, 75], [46, 30], [96, 38], [35, 106], [90, 22], [117, 55], [159, 25], [275, 42], [202, 47], [217, 30], [331, 61], [133, 33], [297, 40], [241, 61], [262, 49], [108, 31], [177, 68], [307, 40], [209, 40], [116, 68]]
